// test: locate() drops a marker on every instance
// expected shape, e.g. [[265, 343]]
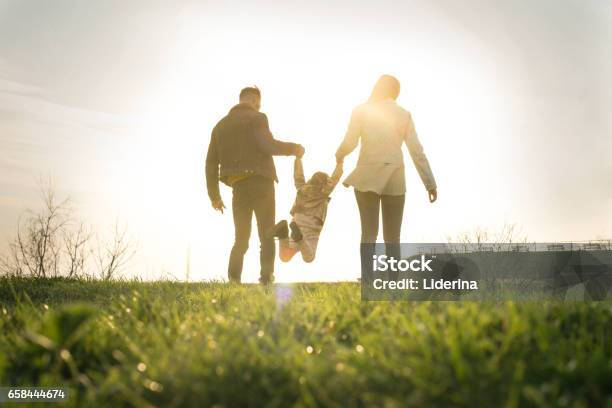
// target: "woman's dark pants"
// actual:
[[370, 206]]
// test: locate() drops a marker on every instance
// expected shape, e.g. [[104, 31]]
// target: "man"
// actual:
[[240, 155]]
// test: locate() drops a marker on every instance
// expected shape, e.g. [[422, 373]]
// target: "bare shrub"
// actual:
[[37, 248], [482, 238], [493, 248], [76, 247], [112, 256], [53, 242]]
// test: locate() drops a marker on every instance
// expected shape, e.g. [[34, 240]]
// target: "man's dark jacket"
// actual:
[[241, 144]]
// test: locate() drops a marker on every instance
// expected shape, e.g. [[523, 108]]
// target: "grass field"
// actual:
[[201, 344]]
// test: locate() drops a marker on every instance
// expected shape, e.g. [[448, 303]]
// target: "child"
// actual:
[[308, 211]]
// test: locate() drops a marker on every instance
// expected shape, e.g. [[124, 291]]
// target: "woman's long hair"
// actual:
[[386, 87]]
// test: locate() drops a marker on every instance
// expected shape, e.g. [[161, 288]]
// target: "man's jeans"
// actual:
[[253, 195]]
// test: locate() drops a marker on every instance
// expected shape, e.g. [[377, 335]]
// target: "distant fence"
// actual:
[[470, 247]]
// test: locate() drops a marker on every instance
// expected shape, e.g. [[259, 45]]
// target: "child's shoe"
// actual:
[[280, 230], [296, 234], [286, 251]]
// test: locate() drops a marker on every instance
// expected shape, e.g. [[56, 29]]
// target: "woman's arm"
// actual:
[[418, 156], [351, 139]]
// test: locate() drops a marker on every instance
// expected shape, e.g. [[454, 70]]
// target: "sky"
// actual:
[[114, 101]]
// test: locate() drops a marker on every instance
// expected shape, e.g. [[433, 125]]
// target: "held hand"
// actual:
[[218, 205], [300, 151], [433, 195]]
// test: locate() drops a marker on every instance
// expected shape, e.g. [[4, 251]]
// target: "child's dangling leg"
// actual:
[[287, 248], [308, 235], [308, 245], [308, 252]]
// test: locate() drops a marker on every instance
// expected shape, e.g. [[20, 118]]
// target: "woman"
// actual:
[[383, 126]]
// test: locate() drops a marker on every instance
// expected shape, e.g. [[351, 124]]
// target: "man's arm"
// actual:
[[298, 173], [212, 170], [334, 178], [266, 142]]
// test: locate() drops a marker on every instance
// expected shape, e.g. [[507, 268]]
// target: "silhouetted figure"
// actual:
[[240, 155], [382, 127]]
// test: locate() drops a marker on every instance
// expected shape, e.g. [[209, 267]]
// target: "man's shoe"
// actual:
[[266, 280], [280, 230], [296, 234]]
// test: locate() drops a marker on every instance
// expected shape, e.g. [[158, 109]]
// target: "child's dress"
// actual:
[[309, 211]]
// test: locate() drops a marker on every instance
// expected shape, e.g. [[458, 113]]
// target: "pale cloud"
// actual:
[[31, 103], [87, 54]]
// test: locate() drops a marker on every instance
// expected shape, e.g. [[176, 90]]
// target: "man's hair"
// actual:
[[251, 90]]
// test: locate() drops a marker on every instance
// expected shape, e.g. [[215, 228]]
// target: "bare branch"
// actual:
[[112, 256], [75, 247]]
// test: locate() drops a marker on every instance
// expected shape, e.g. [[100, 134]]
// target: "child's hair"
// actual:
[[319, 179]]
